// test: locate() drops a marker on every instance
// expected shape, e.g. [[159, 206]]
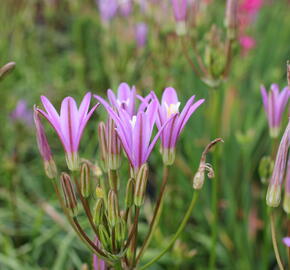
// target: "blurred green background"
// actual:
[[61, 48]]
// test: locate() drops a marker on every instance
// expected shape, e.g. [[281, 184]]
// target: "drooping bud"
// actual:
[[69, 194], [99, 212], [114, 146], [85, 180], [103, 145], [113, 208], [129, 197], [231, 21], [286, 202], [6, 69], [104, 237], [198, 179], [265, 169], [44, 148], [274, 190], [141, 184]]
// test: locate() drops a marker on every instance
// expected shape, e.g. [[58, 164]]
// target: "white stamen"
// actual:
[[133, 121], [172, 108]]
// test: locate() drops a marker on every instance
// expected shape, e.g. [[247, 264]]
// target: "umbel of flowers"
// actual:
[[129, 127]]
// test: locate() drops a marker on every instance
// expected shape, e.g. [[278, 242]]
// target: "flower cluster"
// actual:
[[129, 126]]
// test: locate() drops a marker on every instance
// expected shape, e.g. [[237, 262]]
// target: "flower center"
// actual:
[[172, 108], [133, 121]]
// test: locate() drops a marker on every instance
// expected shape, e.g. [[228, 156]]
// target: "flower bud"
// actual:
[[168, 155], [231, 17], [265, 169], [44, 148], [113, 208], [114, 146], [103, 145], [85, 180], [120, 231], [99, 212], [6, 69], [104, 237], [141, 184], [286, 202], [129, 197], [273, 195], [69, 194]]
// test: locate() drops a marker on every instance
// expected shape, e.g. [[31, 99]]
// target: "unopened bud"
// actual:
[[286, 202], [103, 145], [231, 17], [44, 148], [69, 194], [273, 195], [99, 212], [120, 231], [100, 192], [104, 237], [265, 169], [141, 184], [6, 69], [113, 208], [129, 197], [114, 146], [85, 180], [168, 155]]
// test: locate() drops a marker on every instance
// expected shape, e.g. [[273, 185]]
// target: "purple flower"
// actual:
[[274, 104], [126, 98], [179, 9], [98, 263], [22, 114], [135, 131], [125, 7], [108, 9], [141, 34], [274, 189], [169, 106], [43, 146], [69, 125], [286, 241]]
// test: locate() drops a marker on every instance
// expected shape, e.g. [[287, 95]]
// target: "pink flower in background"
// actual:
[[108, 9], [125, 7], [179, 9], [141, 31], [22, 114], [274, 104], [247, 43], [69, 124], [286, 241]]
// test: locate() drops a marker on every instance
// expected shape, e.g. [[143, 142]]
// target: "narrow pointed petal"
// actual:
[[51, 112], [169, 96]]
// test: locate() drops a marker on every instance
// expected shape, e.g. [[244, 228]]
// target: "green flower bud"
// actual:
[[286, 202], [85, 180], [273, 195], [265, 169], [99, 212], [113, 208], [104, 237], [69, 194], [100, 192], [129, 197], [141, 184]]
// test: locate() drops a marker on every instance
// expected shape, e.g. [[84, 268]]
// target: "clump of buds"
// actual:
[[198, 179]]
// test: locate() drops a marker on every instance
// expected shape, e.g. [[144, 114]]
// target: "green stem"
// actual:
[[178, 232], [274, 240], [156, 215]]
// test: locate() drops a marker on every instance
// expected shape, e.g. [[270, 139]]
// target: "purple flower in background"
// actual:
[[69, 125], [141, 32], [179, 10], [286, 241], [274, 189], [274, 104], [135, 132], [22, 114], [168, 107], [125, 7], [98, 263], [108, 9], [126, 98], [43, 146]]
